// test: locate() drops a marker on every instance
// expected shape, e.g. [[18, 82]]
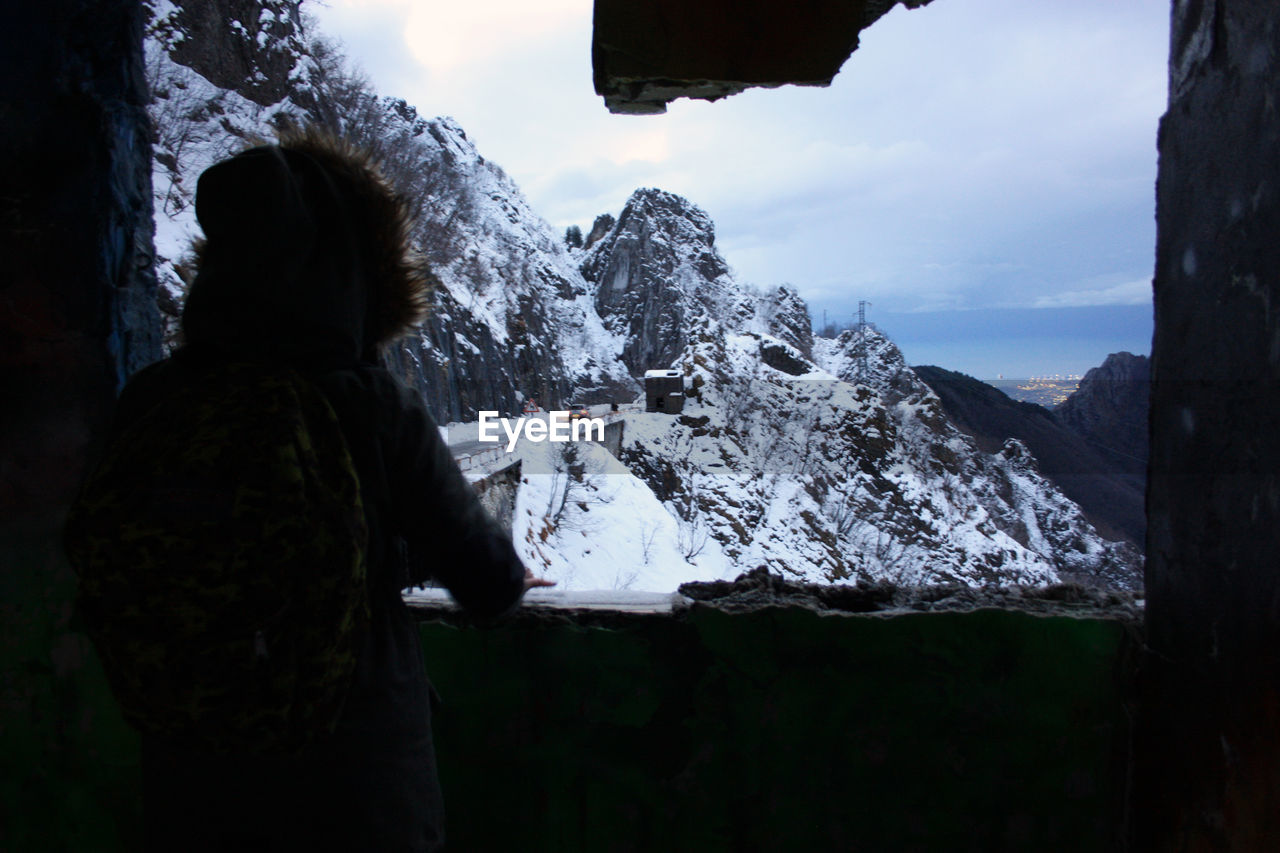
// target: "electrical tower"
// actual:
[[862, 340]]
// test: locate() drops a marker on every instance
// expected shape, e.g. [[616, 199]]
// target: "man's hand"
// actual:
[[530, 581]]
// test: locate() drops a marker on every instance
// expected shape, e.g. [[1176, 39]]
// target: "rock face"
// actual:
[[656, 271], [1214, 511], [513, 318], [1107, 492], [790, 455], [827, 474], [252, 47], [787, 317], [1038, 509], [603, 225], [1110, 410]]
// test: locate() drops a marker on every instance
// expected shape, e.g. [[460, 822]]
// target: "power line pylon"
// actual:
[[862, 340]]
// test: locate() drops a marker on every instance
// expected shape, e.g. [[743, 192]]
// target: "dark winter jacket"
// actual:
[[305, 264], [416, 502]]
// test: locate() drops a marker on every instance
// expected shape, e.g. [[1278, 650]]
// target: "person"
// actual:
[[305, 263]]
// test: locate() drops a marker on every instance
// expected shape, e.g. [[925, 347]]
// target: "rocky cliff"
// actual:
[[825, 479], [654, 272], [513, 317], [252, 47], [1110, 411], [1109, 497]]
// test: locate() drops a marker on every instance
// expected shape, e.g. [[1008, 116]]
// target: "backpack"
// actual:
[[220, 549]]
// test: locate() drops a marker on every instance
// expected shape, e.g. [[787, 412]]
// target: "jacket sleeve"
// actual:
[[439, 514]]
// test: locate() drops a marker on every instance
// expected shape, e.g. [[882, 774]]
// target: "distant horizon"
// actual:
[[1018, 343]]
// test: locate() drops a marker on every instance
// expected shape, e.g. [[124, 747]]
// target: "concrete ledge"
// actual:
[[431, 600], [759, 590], [648, 54]]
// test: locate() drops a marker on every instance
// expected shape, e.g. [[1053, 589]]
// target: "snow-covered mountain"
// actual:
[[513, 316], [787, 455]]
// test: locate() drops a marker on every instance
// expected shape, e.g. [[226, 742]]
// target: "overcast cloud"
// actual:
[[972, 154]]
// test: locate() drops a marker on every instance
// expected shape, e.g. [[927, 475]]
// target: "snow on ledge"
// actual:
[[626, 601]]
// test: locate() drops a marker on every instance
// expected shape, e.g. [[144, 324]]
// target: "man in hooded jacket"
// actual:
[[305, 263]]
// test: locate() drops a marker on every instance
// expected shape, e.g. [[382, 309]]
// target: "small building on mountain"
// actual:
[[664, 391]]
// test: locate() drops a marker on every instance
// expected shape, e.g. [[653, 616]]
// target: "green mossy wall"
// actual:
[[785, 730], [70, 780], [774, 730]]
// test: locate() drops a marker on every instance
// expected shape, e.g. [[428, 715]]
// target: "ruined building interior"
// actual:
[[721, 728]]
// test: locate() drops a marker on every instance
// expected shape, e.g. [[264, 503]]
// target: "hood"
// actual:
[[306, 256]]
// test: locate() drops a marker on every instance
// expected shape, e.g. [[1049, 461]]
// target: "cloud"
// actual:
[[991, 152], [1130, 293], [444, 36], [451, 34]]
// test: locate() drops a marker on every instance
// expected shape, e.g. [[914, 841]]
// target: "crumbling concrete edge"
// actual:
[[758, 591]]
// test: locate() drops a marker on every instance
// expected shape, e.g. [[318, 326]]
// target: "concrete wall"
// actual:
[[77, 314], [614, 432], [783, 729], [982, 731], [1211, 743]]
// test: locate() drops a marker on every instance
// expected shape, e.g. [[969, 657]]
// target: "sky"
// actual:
[[981, 171]]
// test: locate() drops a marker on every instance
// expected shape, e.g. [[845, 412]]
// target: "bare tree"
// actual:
[[344, 102], [184, 130], [811, 421], [884, 555], [648, 533], [691, 528], [691, 536], [841, 509], [625, 579], [575, 487]]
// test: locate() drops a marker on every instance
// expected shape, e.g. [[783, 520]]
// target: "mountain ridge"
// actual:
[[787, 455]]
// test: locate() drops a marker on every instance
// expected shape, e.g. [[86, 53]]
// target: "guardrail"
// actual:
[[480, 458]]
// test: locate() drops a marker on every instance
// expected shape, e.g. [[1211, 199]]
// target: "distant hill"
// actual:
[[1108, 493], [1109, 410]]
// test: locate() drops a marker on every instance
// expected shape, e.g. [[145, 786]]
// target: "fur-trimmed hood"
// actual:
[[306, 256]]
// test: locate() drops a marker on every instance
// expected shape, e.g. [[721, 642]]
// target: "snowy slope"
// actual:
[[613, 533]]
